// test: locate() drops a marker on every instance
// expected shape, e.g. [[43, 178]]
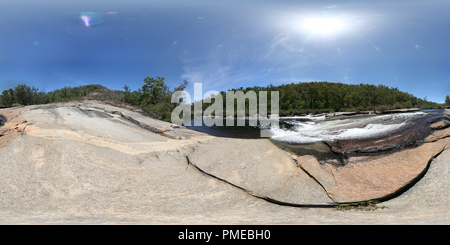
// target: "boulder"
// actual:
[[13, 124], [440, 125], [437, 135]]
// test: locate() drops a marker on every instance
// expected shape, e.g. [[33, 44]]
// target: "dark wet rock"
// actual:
[[2, 120], [401, 110], [342, 114], [412, 135]]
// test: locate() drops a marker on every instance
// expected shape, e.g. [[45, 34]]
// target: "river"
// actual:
[[306, 134]]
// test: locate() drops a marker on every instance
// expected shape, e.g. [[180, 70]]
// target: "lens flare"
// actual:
[[85, 19], [89, 19]]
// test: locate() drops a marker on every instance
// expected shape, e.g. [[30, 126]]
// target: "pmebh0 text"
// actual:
[[246, 234]]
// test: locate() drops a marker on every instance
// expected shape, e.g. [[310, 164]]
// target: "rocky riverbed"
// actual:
[[93, 162]]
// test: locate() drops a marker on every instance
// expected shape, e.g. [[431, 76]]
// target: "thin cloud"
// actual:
[[73, 80]]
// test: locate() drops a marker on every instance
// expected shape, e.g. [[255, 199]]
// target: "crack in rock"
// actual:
[[255, 194]]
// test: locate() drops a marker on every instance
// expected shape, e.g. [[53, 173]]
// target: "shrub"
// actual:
[[407, 104], [382, 108], [362, 206], [397, 105]]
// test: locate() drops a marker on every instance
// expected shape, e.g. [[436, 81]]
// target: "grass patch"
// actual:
[[362, 206]]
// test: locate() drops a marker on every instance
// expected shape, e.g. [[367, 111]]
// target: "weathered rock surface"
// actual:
[[13, 124], [430, 193], [323, 174], [441, 128], [440, 125], [148, 123], [259, 167], [437, 135], [366, 178]]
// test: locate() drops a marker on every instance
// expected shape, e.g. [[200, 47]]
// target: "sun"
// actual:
[[323, 25]]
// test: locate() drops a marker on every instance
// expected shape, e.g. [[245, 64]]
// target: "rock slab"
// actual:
[[259, 167], [367, 179], [373, 177]]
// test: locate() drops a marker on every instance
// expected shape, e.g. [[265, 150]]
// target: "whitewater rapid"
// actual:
[[310, 129]]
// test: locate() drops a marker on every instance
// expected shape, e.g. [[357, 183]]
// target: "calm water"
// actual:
[[246, 132]]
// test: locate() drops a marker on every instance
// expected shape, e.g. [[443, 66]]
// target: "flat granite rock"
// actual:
[[431, 192], [322, 173], [259, 167], [153, 125]]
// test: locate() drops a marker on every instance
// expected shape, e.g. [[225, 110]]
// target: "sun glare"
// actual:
[[323, 25]]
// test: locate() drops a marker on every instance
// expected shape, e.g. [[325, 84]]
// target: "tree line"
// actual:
[[154, 97], [320, 97], [23, 94]]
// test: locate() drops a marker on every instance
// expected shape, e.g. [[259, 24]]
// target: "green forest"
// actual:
[[320, 97], [154, 97], [26, 95]]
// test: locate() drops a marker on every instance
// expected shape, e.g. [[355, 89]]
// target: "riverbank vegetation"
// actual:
[[154, 97]]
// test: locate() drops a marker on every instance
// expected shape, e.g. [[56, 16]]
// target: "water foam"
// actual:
[[368, 131], [302, 132]]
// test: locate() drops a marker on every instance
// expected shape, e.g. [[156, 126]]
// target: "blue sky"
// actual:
[[226, 44]]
